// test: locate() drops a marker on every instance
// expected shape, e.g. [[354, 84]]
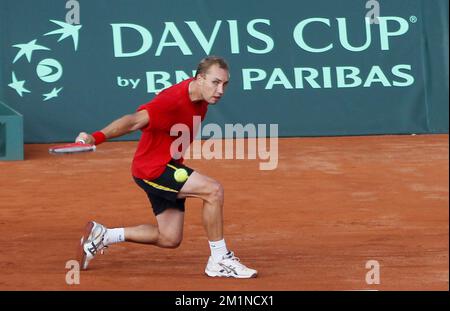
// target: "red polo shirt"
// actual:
[[171, 106]]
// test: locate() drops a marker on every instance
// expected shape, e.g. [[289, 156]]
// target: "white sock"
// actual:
[[112, 236], [218, 249]]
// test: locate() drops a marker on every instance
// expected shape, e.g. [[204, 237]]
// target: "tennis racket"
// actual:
[[77, 147]]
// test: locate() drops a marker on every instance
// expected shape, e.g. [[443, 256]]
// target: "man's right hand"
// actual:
[[86, 138]]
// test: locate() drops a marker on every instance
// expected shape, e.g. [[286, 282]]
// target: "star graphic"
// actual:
[[66, 30], [27, 49], [18, 85], [52, 94]]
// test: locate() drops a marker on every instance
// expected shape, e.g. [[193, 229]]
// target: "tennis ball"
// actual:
[[180, 175]]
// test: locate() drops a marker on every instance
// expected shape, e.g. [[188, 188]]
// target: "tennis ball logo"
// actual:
[[49, 70], [180, 175]]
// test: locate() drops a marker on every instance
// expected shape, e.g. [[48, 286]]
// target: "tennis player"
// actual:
[[166, 181]]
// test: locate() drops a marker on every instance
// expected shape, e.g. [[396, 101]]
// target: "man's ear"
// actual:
[[201, 77]]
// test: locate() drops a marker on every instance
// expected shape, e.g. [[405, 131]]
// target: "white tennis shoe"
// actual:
[[91, 243], [229, 266]]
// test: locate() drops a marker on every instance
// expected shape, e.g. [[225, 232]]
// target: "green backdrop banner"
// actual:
[[314, 67]]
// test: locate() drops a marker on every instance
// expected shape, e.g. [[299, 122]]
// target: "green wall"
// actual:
[[316, 68]]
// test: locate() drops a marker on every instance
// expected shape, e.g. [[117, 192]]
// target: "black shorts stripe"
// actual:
[[163, 190]]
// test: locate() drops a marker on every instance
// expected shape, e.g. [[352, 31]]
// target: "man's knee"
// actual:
[[173, 243], [216, 192], [170, 241]]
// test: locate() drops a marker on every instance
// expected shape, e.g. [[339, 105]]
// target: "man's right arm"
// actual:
[[119, 127]]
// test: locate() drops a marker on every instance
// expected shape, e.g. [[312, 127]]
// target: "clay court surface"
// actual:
[[312, 224]]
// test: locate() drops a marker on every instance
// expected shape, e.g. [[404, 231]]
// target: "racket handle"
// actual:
[[81, 141]]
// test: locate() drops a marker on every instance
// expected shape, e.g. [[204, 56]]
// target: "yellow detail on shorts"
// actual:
[[154, 185], [171, 166]]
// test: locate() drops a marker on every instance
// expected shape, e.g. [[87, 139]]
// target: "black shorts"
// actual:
[[162, 191]]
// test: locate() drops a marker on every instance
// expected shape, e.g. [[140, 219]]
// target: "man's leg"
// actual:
[[221, 263], [211, 192], [168, 233], [169, 230]]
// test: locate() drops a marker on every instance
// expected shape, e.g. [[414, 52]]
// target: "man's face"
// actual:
[[213, 83]]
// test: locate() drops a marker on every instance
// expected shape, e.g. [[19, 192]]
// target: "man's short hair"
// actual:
[[209, 61]]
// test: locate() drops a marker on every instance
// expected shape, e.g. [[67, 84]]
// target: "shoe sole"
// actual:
[[81, 255], [215, 274]]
